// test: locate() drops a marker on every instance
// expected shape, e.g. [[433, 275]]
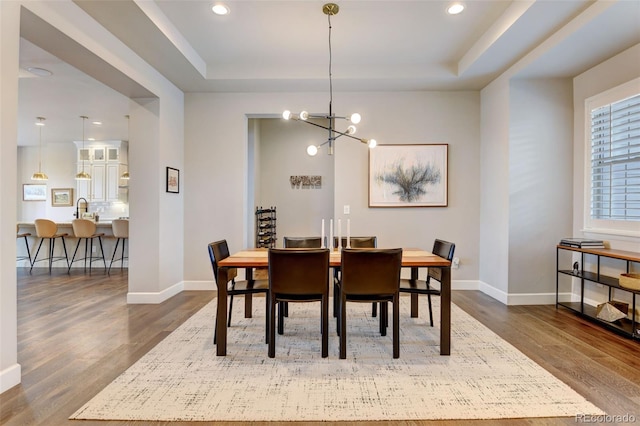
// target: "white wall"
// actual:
[[619, 69], [540, 183], [216, 155], [283, 154], [10, 370], [157, 263]]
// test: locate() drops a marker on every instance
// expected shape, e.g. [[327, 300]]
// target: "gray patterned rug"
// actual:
[[183, 379]]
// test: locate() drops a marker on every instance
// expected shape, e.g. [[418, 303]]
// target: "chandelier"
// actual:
[[330, 9], [83, 175], [39, 175]]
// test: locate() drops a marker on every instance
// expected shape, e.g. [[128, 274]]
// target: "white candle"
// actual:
[[348, 233], [330, 234], [322, 236], [339, 234]]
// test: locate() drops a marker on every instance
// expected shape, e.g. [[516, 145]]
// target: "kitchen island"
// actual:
[[102, 226]]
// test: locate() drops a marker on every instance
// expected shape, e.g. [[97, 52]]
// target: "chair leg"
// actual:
[[52, 247], [430, 310], [325, 325], [124, 241], [343, 326], [64, 246], [115, 250], [26, 243], [266, 316], [281, 315], [374, 309], [272, 328], [384, 314], [104, 261], [36, 256], [396, 326], [230, 310], [74, 256]]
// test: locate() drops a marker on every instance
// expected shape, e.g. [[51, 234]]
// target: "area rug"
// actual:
[[182, 379]]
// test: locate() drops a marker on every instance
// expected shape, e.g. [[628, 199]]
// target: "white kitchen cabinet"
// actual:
[[103, 161]]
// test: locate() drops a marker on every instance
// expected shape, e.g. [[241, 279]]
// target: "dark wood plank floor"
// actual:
[[76, 334]]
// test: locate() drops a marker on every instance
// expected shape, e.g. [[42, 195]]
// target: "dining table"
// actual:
[[413, 258]]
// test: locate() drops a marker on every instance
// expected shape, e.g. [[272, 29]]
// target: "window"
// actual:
[[614, 160]]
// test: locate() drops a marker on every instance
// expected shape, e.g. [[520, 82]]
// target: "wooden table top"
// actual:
[[257, 258]]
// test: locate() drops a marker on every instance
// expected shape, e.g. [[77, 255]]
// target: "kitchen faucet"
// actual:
[[77, 215]]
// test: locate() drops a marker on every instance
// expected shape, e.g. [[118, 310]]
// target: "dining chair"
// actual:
[[85, 229], [48, 230], [302, 242], [370, 275], [218, 251], [354, 242], [412, 285], [26, 243], [120, 229], [297, 242], [298, 275]]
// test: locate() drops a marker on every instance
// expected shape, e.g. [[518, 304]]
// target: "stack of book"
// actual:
[[582, 243]]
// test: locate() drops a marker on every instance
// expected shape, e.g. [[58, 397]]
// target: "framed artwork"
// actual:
[[61, 197], [173, 180], [408, 175], [34, 192]]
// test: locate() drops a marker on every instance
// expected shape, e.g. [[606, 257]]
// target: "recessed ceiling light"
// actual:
[[40, 72], [455, 8], [97, 123], [220, 9], [91, 139]]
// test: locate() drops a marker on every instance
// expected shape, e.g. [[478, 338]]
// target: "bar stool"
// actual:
[[121, 232], [26, 243], [85, 229], [48, 229]]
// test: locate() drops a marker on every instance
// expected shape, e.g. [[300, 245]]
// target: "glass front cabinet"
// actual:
[[105, 161]]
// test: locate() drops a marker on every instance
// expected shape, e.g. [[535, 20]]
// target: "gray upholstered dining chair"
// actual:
[[371, 275], [412, 285], [298, 275], [218, 251]]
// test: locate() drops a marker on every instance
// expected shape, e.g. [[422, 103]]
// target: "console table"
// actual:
[[626, 326]]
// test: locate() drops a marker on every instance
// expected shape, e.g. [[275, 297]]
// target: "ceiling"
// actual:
[[276, 46]]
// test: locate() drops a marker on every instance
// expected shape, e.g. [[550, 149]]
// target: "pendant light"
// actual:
[[125, 175], [83, 175], [330, 9], [39, 175]]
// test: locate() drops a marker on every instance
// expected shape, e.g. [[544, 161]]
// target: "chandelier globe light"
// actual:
[[330, 9], [39, 175], [83, 175]]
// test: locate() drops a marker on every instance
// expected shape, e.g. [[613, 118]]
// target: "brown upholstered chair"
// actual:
[[120, 229], [218, 251], [296, 242], [302, 242], [412, 285], [370, 275], [26, 243], [48, 230], [85, 229], [355, 242], [298, 275]]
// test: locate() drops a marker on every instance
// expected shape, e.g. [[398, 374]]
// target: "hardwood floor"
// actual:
[[76, 334]]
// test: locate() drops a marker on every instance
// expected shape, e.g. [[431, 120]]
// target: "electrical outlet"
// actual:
[[455, 264], [347, 209]]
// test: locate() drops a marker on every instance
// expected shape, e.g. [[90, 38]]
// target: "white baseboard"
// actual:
[[154, 298], [513, 299], [10, 377], [200, 285]]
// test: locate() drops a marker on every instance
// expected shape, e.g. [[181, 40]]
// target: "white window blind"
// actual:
[[615, 160]]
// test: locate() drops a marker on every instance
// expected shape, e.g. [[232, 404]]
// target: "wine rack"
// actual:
[[265, 227]]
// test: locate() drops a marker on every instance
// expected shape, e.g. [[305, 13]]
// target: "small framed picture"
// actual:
[[61, 197], [34, 192], [173, 180]]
